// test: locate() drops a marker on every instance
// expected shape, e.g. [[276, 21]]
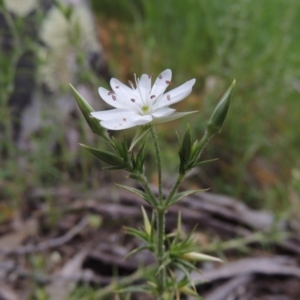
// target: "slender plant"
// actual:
[[143, 106]]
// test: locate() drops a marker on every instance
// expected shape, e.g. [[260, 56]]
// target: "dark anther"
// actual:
[[124, 119], [169, 97], [117, 86], [132, 100], [153, 96], [160, 77], [114, 97], [110, 93], [168, 82]]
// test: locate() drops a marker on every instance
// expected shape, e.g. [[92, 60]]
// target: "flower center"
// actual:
[[145, 109]]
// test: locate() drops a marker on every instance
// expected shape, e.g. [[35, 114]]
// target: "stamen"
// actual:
[[153, 96], [138, 88], [169, 97], [131, 84], [110, 93], [114, 97], [124, 120], [117, 86], [160, 76], [132, 100], [168, 82]]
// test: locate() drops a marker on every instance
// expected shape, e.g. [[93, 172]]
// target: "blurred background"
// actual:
[[45, 45]]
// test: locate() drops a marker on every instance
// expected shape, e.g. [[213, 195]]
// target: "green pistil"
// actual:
[[145, 109]]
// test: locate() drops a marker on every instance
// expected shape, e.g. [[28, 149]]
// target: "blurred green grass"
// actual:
[[216, 41]]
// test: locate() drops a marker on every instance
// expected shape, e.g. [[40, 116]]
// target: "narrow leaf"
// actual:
[[137, 192], [177, 197], [105, 156]]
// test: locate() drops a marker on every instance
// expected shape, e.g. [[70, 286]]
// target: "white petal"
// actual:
[[119, 87], [117, 124], [125, 94], [175, 95], [113, 114], [172, 117], [142, 120], [109, 98], [144, 86], [163, 112], [161, 84]]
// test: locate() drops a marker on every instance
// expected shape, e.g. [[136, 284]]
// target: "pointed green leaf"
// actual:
[[166, 262], [105, 156], [199, 163], [86, 110], [137, 192], [141, 234], [177, 197], [136, 250]]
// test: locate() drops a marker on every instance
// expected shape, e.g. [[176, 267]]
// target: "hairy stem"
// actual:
[[158, 159], [160, 219]]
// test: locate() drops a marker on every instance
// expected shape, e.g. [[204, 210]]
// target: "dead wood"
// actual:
[[47, 244]]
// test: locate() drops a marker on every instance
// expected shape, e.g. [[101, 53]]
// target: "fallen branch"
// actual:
[[47, 244]]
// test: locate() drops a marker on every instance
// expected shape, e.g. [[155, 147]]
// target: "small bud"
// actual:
[[218, 117], [195, 256], [86, 110], [188, 291], [147, 224]]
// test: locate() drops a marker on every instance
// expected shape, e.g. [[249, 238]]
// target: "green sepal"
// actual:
[[142, 132], [218, 117], [137, 192], [86, 110], [121, 149], [105, 156], [172, 117]]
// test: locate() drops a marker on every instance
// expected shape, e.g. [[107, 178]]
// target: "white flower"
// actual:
[[141, 104]]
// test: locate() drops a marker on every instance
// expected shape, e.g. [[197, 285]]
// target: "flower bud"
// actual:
[[218, 117], [195, 256], [86, 110], [147, 225]]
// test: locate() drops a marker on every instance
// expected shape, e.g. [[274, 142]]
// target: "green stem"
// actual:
[[158, 159], [174, 189], [160, 219], [160, 250], [142, 179]]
